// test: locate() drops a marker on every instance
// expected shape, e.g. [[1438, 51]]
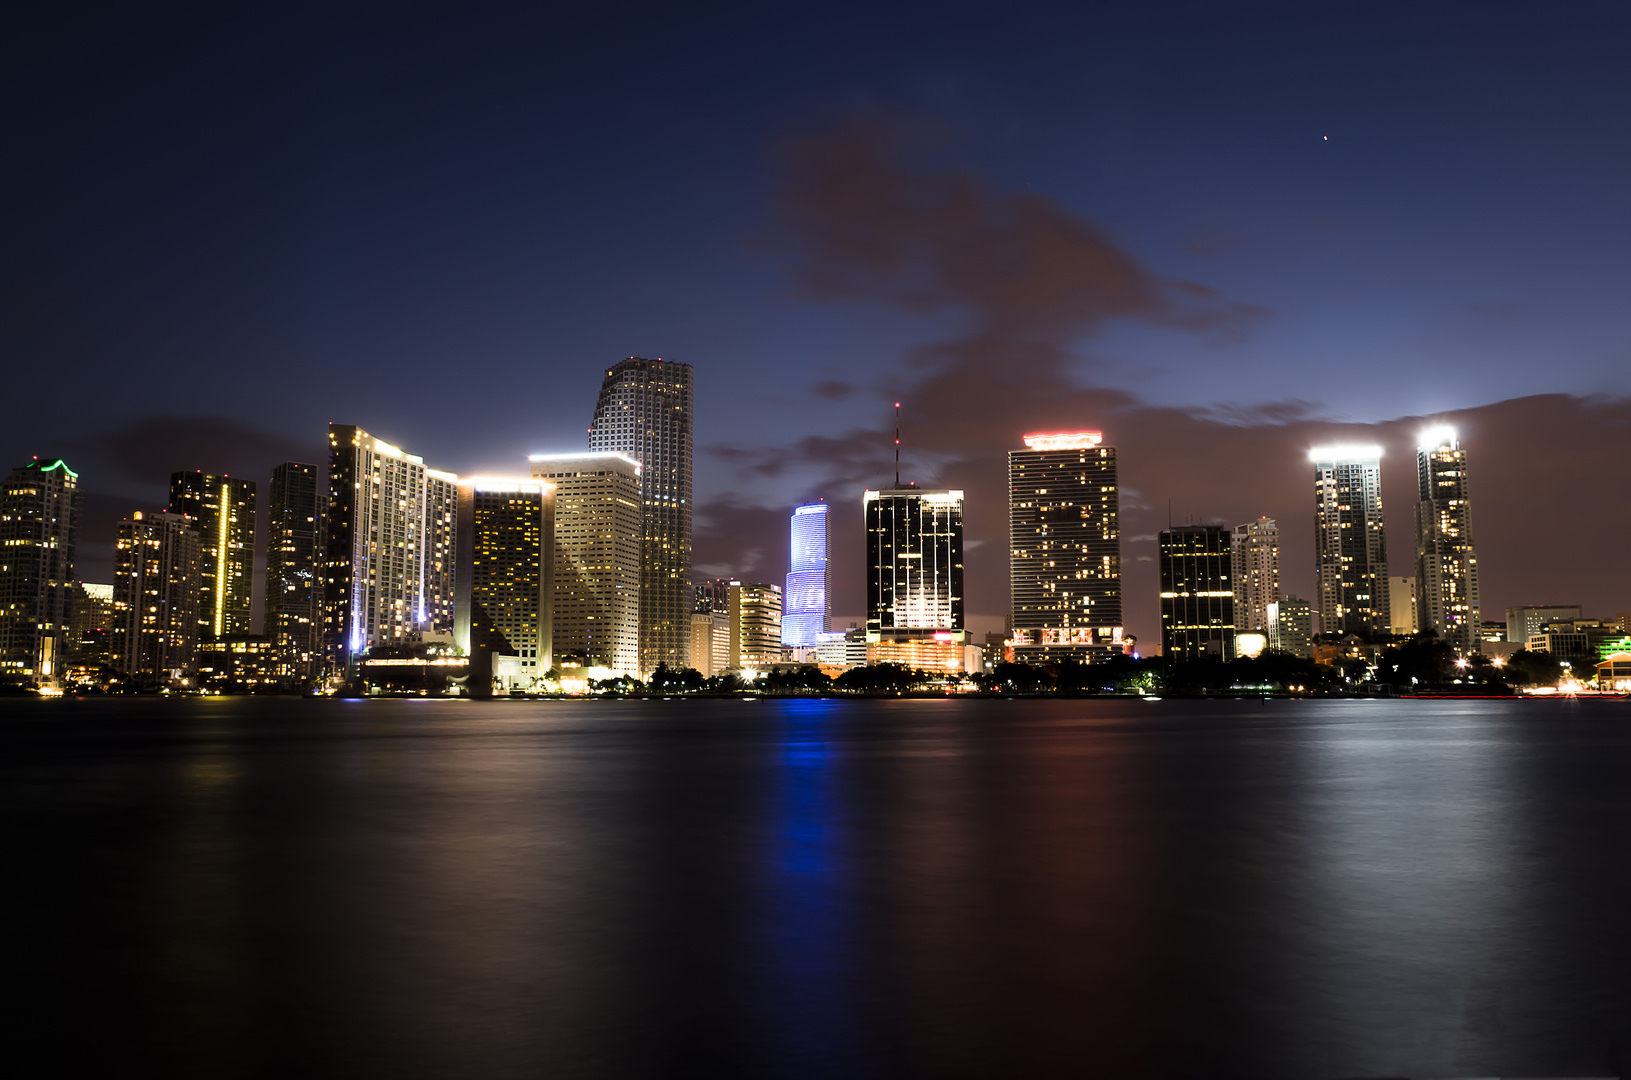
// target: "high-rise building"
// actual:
[[505, 580], [1291, 626], [1064, 547], [1197, 593], [597, 559], [222, 512], [807, 603], [90, 625], [1350, 551], [1401, 596], [390, 534], [297, 508], [756, 624], [644, 412], [711, 626], [1255, 565], [157, 583], [1523, 623], [914, 556], [39, 528], [1446, 564]]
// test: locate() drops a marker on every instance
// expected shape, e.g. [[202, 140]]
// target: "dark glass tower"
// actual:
[[645, 412], [39, 527], [1197, 595], [914, 559], [297, 507], [222, 511]]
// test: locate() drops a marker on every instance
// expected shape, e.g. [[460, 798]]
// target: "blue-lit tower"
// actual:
[[807, 603]]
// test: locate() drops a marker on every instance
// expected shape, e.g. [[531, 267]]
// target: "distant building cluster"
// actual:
[[383, 571]]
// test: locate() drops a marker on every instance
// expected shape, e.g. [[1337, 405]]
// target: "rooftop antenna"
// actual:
[[897, 444]]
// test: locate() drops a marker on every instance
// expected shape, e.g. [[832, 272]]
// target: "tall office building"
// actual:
[[1255, 566], [1291, 626], [39, 528], [711, 626], [1401, 597], [297, 508], [807, 603], [1197, 593], [222, 511], [597, 559], [644, 412], [505, 580], [1350, 551], [90, 626], [389, 548], [1064, 547], [1446, 565], [157, 583], [914, 558], [756, 624]]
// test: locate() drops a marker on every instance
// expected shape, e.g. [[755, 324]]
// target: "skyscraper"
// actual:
[[756, 631], [90, 626], [1197, 595], [644, 412], [1350, 551], [1255, 566], [1446, 565], [597, 559], [1401, 596], [157, 584], [807, 603], [296, 514], [1064, 546], [505, 580], [389, 573], [39, 529], [1291, 626], [914, 567], [222, 512]]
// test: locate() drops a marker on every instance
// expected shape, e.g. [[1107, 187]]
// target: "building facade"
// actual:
[[388, 573], [755, 625], [1523, 623], [297, 506], [90, 625], [1064, 546], [505, 580], [157, 583], [644, 412], [807, 601], [1197, 592], [914, 559], [1446, 562], [596, 615], [39, 532], [222, 511], [1402, 618], [1255, 565], [1291, 626], [1350, 549]]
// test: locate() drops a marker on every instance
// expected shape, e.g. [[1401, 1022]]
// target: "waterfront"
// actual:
[[857, 888]]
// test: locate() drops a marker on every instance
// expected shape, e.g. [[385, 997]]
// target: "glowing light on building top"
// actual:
[[1064, 440]]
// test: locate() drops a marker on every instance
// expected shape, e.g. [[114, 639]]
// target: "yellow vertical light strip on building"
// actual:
[[225, 507]]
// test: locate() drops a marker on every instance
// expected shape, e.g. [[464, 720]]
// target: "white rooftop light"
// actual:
[[1345, 452]]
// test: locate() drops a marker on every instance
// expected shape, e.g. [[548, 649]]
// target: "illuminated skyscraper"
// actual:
[[296, 511], [1064, 548], [222, 511], [390, 538], [157, 584], [1446, 565], [505, 580], [39, 528], [914, 565], [1256, 570], [1197, 595], [90, 626], [756, 624], [807, 603], [644, 413], [1291, 626], [597, 559], [1350, 551]]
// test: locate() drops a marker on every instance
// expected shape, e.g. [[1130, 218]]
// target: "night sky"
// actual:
[[1218, 233]]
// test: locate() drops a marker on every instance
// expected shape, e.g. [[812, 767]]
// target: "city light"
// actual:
[[1436, 436], [1345, 452], [1064, 440]]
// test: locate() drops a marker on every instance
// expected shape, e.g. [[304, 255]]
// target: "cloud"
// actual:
[[147, 451], [832, 390]]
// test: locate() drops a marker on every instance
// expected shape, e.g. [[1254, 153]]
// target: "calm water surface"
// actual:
[[735, 888]]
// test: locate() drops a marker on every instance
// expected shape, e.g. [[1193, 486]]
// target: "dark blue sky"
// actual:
[[225, 229]]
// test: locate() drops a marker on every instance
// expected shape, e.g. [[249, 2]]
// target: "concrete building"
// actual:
[[1291, 626], [644, 412], [297, 510], [597, 560], [90, 625], [914, 575], [1064, 546], [755, 625], [842, 648], [157, 583], [1402, 617], [1523, 623], [1350, 556], [504, 581], [711, 641], [1255, 566], [222, 512], [1197, 592], [807, 602], [1446, 563], [39, 531], [388, 573]]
